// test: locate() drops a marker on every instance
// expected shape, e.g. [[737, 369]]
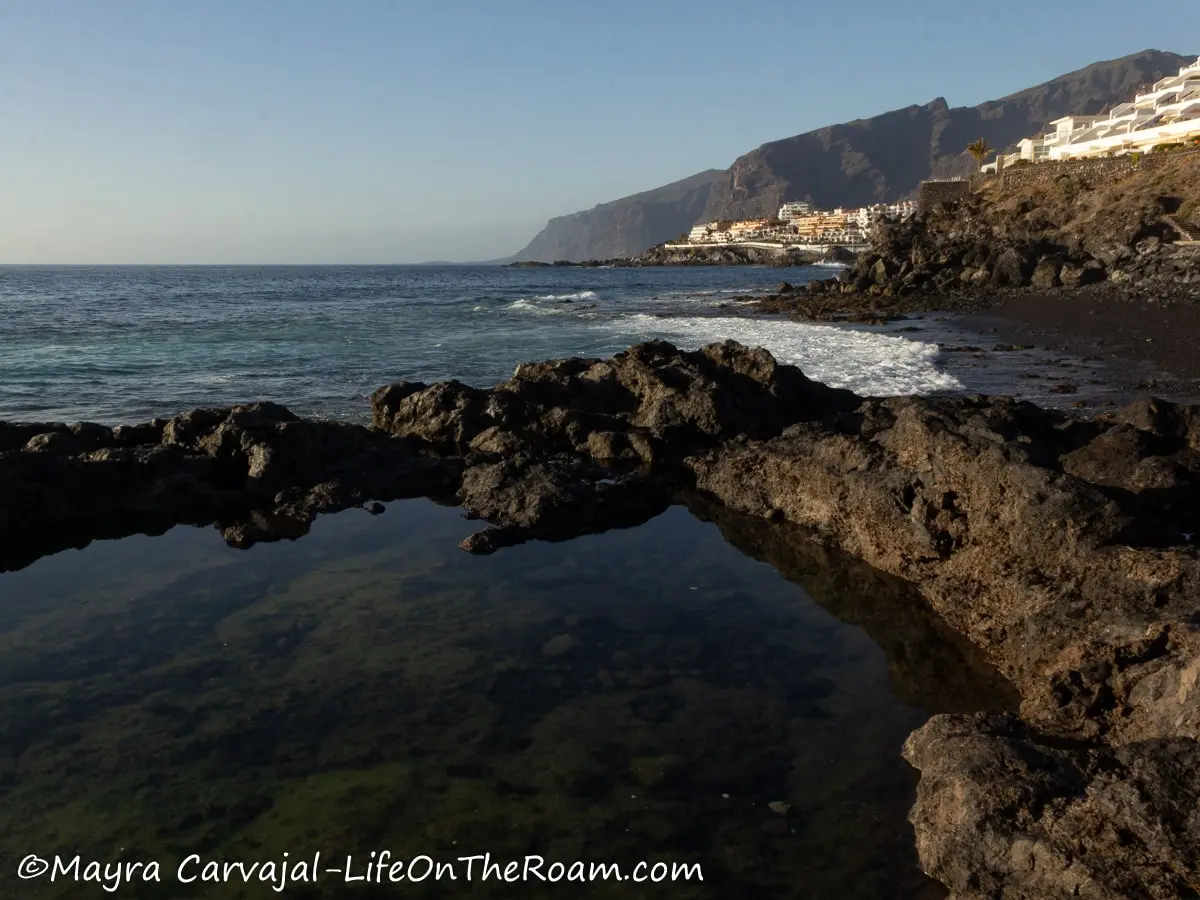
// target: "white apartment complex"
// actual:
[[794, 210], [881, 212], [1167, 113]]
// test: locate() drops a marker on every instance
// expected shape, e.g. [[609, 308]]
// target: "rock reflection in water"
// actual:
[[641, 694]]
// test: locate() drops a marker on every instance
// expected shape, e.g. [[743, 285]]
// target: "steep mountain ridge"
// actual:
[[885, 157], [879, 159], [626, 226]]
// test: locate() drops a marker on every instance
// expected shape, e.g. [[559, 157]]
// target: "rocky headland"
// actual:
[[1133, 237], [1064, 550]]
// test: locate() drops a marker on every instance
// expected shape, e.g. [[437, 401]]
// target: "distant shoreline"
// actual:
[[724, 254]]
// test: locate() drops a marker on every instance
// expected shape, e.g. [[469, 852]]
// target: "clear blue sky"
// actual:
[[361, 131]]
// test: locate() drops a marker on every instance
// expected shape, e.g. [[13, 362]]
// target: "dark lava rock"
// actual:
[[1020, 235], [650, 400], [549, 451], [257, 468], [1005, 812]]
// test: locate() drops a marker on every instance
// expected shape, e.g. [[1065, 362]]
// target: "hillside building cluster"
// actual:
[[1165, 115], [799, 223]]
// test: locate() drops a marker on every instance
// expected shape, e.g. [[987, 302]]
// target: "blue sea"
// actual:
[[123, 344]]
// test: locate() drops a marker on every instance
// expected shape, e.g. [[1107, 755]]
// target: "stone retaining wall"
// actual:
[[1089, 172], [931, 193]]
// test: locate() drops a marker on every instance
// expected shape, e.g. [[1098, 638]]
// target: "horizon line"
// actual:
[[263, 265]]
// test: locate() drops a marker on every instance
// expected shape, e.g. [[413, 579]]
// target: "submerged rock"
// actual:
[[558, 645]]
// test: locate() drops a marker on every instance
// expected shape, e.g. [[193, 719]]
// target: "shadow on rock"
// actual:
[[258, 471], [931, 665]]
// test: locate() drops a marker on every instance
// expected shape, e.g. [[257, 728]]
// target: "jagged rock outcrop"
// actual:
[[1003, 812], [532, 443], [1061, 234], [650, 402], [1032, 514], [258, 471], [1064, 549]]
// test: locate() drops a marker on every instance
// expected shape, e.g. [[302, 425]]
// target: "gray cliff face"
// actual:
[[880, 159], [623, 227]]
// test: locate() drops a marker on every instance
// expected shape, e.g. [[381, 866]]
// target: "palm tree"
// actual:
[[980, 150]]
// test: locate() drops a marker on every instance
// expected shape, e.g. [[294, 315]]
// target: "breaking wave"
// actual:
[[866, 363], [532, 306], [580, 295]]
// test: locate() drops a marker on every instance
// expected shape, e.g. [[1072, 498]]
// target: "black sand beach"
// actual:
[[1149, 347]]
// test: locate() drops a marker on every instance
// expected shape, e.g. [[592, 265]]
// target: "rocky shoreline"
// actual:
[[1063, 549], [701, 255]]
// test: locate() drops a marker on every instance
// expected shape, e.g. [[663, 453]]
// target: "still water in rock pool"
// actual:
[[703, 688]]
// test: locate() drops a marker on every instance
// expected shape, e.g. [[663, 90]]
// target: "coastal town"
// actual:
[[800, 225]]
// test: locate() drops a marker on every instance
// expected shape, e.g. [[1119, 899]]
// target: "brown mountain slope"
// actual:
[[882, 158]]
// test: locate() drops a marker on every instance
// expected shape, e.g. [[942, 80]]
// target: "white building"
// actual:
[[1167, 113], [794, 209], [1001, 162], [701, 233], [1065, 131], [1033, 149], [867, 216]]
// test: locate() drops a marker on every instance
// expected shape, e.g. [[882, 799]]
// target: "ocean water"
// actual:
[[124, 344]]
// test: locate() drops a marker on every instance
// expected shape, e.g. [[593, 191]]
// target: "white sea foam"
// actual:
[[580, 295], [866, 363], [211, 379], [531, 306]]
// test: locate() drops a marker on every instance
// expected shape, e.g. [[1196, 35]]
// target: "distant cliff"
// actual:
[[882, 158], [624, 227]]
